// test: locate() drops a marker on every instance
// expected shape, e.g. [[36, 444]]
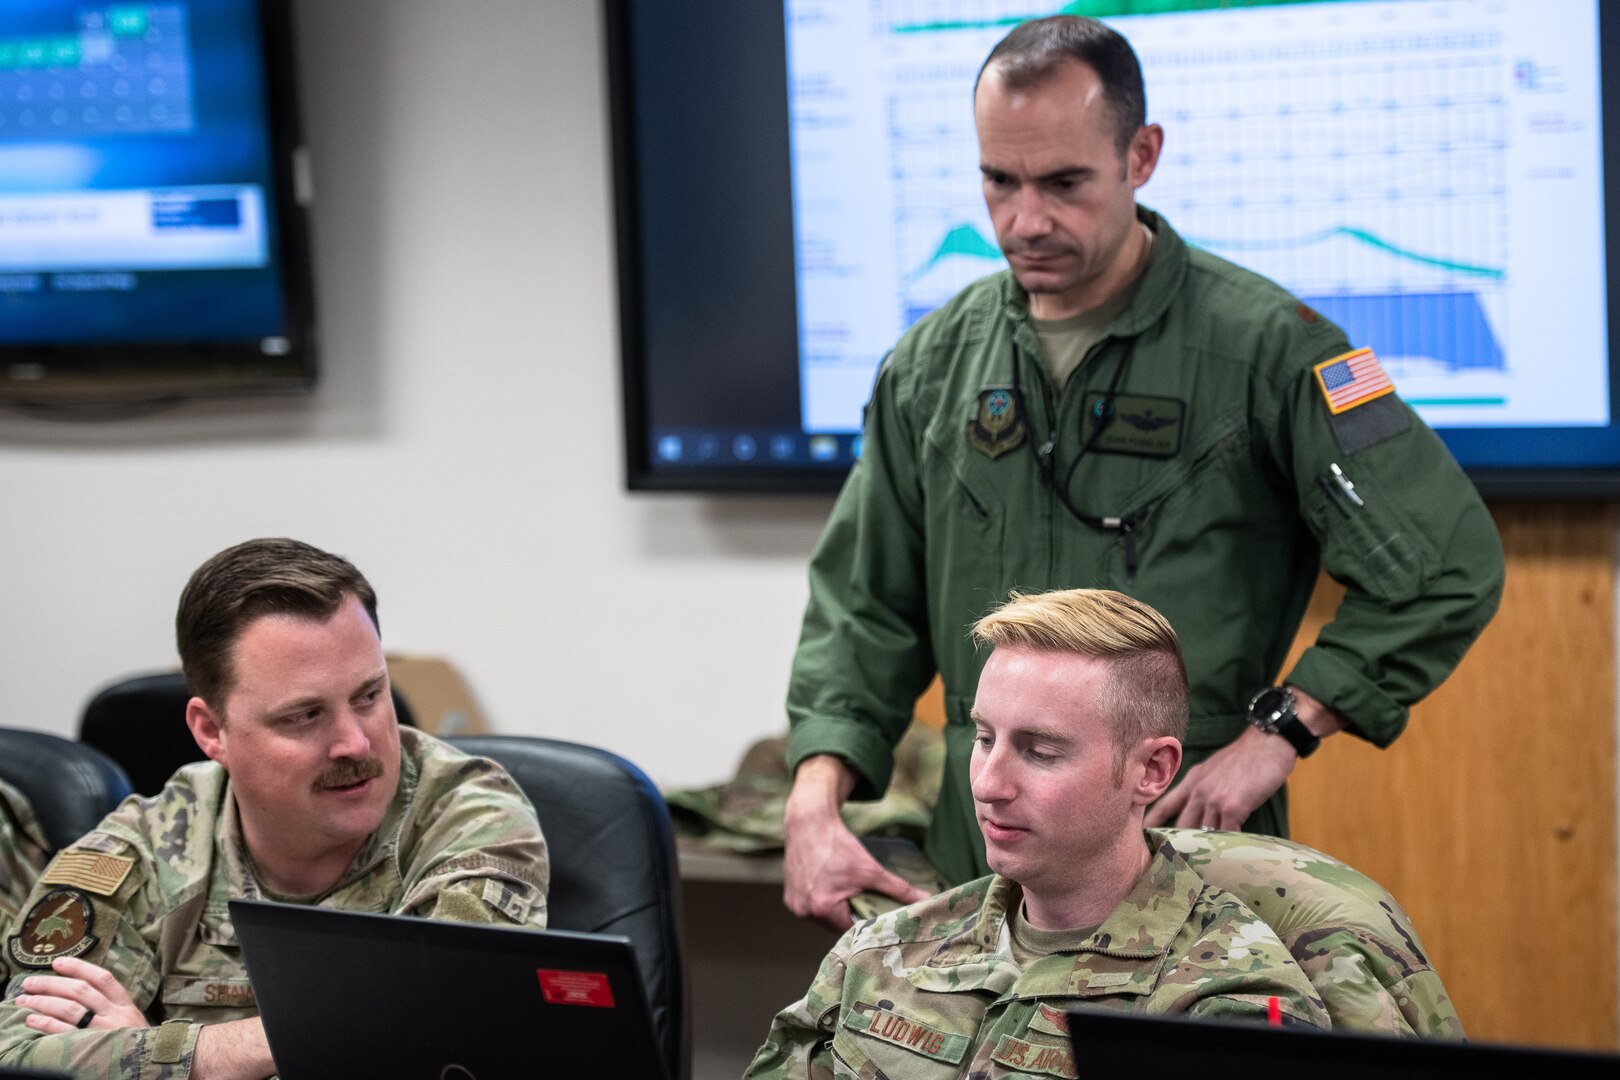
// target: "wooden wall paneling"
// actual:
[[1492, 818]]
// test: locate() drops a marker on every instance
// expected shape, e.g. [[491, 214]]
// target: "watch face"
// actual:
[[1267, 704]]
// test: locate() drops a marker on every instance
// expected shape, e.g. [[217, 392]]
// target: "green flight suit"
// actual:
[[947, 511]]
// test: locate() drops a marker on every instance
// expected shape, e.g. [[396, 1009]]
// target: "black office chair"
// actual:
[[613, 866], [140, 722], [71, 786]]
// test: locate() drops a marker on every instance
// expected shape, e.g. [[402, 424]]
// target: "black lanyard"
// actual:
[[1127, 523]]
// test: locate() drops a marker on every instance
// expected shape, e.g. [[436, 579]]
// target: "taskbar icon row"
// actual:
[[709, 447]]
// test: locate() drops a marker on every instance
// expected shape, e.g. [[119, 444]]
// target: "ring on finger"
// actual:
[[84, 1021]]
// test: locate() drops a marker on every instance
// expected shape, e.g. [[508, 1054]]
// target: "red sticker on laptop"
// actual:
[[576, 988]]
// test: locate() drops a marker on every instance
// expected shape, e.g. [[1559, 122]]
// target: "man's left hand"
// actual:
[[1221, 791], [59, 1003]]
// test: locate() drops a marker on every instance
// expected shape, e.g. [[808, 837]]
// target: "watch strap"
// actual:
[[1283, 720], [1299, 736]]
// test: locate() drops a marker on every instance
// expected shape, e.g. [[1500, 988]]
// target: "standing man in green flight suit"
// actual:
[[1121, 410]]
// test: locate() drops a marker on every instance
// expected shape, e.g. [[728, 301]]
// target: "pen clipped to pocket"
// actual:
[[1340, 491]]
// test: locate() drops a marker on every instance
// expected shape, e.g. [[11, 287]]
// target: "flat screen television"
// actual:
[[797, 183], [153, 192]]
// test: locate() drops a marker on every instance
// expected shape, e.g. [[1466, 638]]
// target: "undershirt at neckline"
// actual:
[[1065, 342], [1030, 943]]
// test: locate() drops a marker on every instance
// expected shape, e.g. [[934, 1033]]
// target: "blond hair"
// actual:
[[1146, 689]]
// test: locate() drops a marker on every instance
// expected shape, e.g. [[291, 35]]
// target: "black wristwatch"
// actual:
[[1273, 712]]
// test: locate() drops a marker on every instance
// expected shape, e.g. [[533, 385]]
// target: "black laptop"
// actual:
[[1118, 1044], [344, 994]]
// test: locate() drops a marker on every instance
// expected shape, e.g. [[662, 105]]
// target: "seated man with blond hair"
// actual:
[[1079, 715]]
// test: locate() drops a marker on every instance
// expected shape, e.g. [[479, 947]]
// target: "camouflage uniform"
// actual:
[[22, 855], [933, 990], [1354, 942], [458, 842]]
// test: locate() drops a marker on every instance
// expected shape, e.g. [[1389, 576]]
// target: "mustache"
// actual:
[[349, 771], [1034, 247]]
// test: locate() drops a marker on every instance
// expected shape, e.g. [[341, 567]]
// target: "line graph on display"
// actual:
[[1367, 174], [1373, 186]]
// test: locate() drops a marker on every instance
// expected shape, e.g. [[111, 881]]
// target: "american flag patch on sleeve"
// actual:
[[1352, 379]]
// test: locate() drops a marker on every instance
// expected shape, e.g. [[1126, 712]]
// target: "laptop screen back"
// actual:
[[1116, 1044], [346, 994]]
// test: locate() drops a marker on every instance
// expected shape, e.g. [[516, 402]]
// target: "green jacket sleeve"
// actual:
[[863, 653], [1414, 547]]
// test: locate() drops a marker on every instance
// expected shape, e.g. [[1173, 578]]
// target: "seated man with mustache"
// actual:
[[124, 962], [1079, 716]]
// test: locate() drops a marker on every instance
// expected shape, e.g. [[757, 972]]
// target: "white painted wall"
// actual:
[[464, 446]]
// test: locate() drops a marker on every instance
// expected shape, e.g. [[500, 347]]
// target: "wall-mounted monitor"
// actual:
[[152, 202], [798, 183]]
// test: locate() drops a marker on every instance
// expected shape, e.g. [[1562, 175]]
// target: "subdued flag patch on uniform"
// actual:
[[1352, 379], [58, 924], [93, 870]]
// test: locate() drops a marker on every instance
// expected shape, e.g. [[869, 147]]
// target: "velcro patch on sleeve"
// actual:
[[1352, 379], [173, 1041], [511, 902], [1380, 419], [92, 871], [59, 924]]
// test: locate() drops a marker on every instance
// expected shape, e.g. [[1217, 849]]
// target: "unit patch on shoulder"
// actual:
[[93, 870], [59, 924], [1352, 379]]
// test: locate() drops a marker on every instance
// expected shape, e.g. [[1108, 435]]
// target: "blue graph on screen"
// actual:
[[1369, 183], [1404, 168]]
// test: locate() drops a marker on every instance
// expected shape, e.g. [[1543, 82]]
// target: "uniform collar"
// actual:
[[235, 879], [1126, 955]]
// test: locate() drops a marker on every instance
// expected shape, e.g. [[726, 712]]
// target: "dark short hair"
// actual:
[[1035, 50], [273, 576]]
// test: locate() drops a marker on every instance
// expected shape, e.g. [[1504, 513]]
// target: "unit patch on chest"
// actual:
[[998, 427], [59, 924]]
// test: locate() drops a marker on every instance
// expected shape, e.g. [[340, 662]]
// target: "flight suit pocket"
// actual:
[[1369, 544], [875, 1041]]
